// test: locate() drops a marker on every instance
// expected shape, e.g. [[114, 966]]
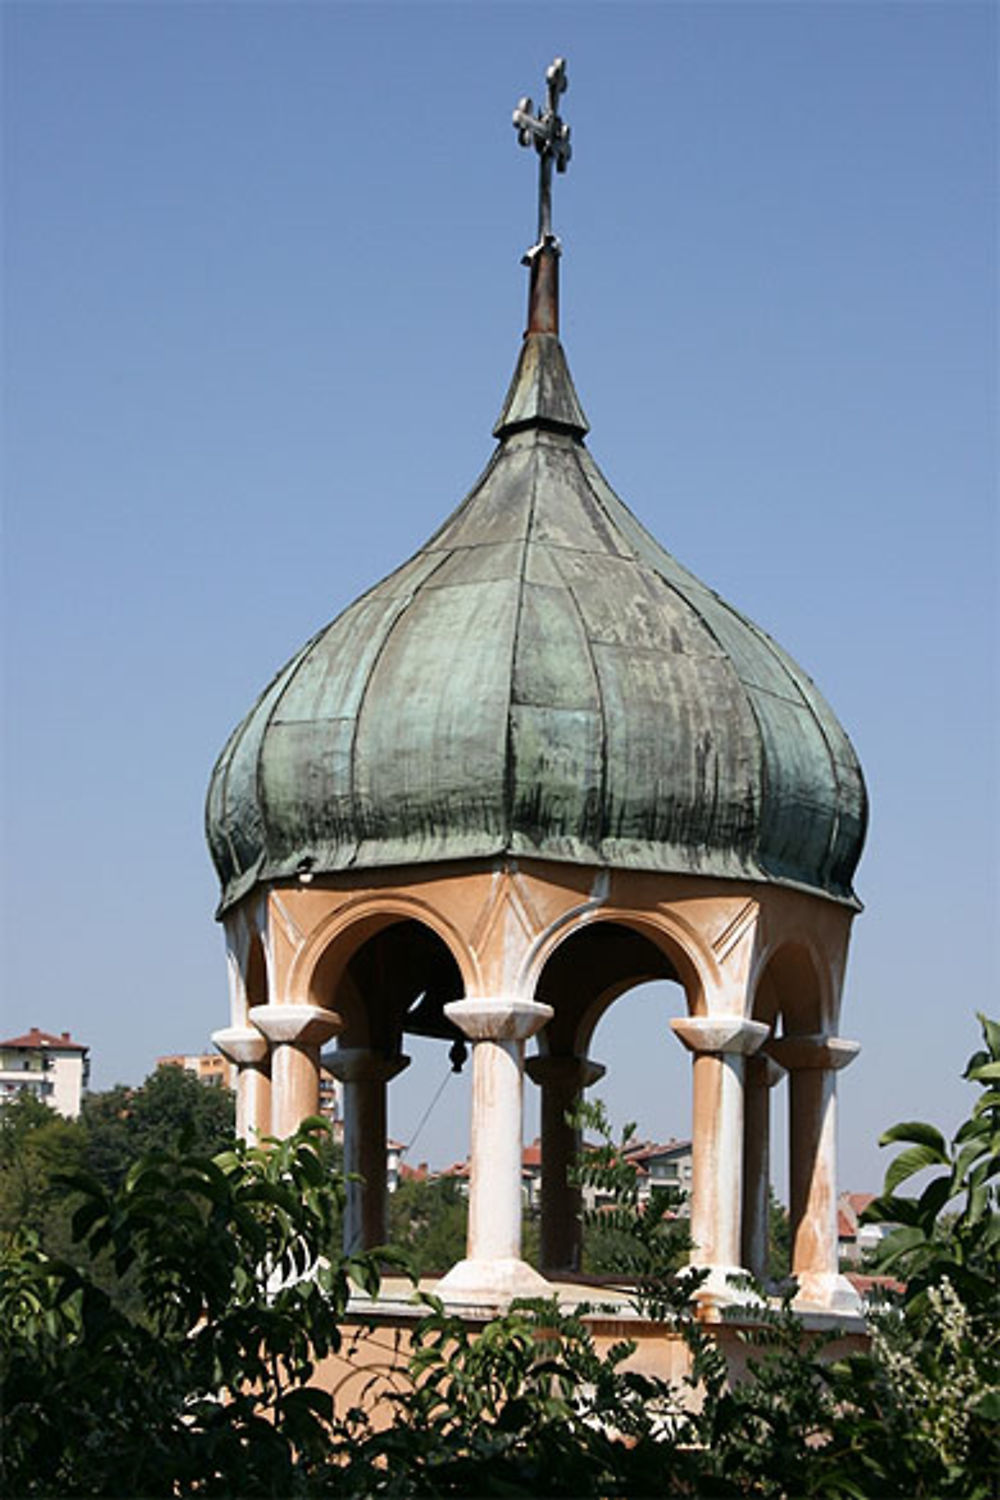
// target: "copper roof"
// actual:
[[541, 679]]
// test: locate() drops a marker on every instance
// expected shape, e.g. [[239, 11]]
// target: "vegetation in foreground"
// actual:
[[202, 1381]]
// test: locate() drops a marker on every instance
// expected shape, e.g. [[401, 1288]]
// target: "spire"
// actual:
[[541, 394]]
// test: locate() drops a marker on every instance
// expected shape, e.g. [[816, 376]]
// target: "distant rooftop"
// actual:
[[37, 1038]]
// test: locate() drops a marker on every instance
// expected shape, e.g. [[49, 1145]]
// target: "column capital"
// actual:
[[830, 1052], [498, 1018], [363, 1064], [764, 1071], [295, 1023], [242, 1045], [720, 1033], [564, 1068]]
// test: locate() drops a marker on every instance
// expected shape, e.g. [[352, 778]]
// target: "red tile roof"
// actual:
[[846, 1230], [863, 1284], [647, 1150], [36, 1038]]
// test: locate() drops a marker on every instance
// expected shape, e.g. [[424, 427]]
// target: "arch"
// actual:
[[388, 974], [255, 975], [582, 966], [790, 989], [319, 966], [641, 946], [247, 965], [791, 985]]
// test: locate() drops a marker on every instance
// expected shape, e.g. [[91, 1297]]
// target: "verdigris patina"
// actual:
[[541, 679]]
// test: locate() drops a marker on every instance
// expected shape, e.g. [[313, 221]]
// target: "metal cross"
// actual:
[[550, 137]]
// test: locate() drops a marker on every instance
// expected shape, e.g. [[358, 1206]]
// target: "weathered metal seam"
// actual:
[[236, 739], [799, 698], [635, 560], [222, 766], [576, 452], [292, 671], [767, 692], [761, 757], [508, 769], [640, 562], [831, 842], [578, 449], [445, 555], [463, 504], [598, 838]]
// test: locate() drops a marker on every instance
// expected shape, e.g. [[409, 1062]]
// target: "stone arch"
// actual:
[[614, 950], [386, 968], [255, 974], [395, 977], [587, 963], [319, 969], [791, 985], [248, 964], [791, 994]]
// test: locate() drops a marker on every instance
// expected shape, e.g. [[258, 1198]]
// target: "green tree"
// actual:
[[36, 1146], [918, 1413], [779, 1238], [930, 1401], [427, 1223], [644, 1242], [951, 1229], [209, 1390], [123, 1123]]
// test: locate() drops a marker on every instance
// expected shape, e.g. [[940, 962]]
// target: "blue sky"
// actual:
[[262, 300]]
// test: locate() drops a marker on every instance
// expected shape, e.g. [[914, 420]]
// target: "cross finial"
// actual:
[[549, 135]]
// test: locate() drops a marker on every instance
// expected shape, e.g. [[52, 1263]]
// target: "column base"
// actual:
[[726, 1287], [491, 1281], [823, 1291]]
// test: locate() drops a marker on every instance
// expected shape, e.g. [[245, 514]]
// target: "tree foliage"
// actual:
[[427, 1221], [123, 1124], [36, 1147], [210, 1389], [643, 1243]]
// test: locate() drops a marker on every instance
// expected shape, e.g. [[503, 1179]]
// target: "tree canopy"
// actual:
[[206, 1386]]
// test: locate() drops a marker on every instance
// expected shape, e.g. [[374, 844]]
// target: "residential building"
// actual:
[[666, 1164], [855, 1239], [216, 1070], [208, 1067], [53, 1068]]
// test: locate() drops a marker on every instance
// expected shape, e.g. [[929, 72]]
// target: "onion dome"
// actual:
[[543, 680], [540, 680]]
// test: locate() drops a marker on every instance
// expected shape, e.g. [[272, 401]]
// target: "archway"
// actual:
[[789, 998], [386, 978], [581, 979]]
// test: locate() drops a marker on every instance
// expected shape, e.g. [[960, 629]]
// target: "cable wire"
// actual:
[[426, 1114]]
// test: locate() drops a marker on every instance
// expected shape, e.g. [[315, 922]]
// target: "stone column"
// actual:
[[813, 1063], [562, 1079], [493, 1270], [246, 1048], [296, 1033], [762, 1073], [720, 1045], [364, 1074]]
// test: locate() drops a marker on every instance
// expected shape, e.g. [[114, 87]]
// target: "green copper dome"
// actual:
[[543, 680]]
